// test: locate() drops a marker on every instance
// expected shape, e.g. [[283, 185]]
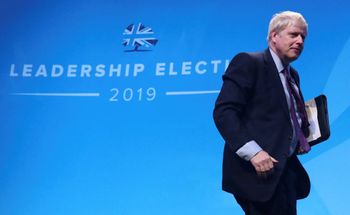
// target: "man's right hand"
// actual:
[[263, 163]]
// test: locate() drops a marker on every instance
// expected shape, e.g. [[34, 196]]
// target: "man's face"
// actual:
[[289, 43]]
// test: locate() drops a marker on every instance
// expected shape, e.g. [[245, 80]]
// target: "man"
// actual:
[[260, 114]]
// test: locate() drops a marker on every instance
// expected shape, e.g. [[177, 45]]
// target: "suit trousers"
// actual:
[[283, 201]]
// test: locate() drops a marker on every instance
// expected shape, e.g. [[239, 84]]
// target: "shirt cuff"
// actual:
[[248, 150]]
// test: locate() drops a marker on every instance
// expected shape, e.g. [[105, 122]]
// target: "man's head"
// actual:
[[287, 32]]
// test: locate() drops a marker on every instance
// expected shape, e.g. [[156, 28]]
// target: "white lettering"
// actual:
[[138, 68], [171, 69], [12, 71], [27, 70], [186, 68], [160, 67], [198, 70], [100, 70], [115, 70], [72, 69], [127, 70], [85, 70], [215, 63], [41, 71], [57, 70]]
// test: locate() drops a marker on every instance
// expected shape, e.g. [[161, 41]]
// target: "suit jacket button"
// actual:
[[290, 137]]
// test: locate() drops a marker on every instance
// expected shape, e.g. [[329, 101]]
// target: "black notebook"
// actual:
[[317, 112]]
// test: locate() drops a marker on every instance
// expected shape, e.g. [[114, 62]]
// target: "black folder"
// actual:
[[317, 112]]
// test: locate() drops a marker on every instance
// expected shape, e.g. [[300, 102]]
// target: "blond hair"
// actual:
[[281, 20]]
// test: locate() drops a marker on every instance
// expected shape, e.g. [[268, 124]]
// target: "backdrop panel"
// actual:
[[106, 106]]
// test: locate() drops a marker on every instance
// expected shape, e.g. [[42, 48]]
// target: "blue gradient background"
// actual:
[[87, 155]]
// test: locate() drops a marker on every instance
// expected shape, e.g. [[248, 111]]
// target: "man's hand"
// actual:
[[263, 163]]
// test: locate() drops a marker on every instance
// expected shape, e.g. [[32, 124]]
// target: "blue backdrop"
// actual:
[[106, 106]]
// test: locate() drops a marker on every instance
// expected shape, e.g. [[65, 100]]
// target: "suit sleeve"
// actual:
[[236, 91]]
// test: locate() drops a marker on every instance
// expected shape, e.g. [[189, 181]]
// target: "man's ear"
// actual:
[[273, 36]]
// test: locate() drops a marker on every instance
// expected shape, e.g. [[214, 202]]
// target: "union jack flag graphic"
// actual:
[[138, 36]]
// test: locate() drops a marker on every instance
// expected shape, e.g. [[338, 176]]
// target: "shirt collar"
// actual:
[[278, 61]]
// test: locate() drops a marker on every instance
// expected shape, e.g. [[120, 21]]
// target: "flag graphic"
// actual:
[[138, 38]]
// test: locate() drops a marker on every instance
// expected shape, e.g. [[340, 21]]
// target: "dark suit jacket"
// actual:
[[252, 106]]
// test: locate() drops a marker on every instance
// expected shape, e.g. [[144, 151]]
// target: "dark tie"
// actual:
[[301, 110]]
